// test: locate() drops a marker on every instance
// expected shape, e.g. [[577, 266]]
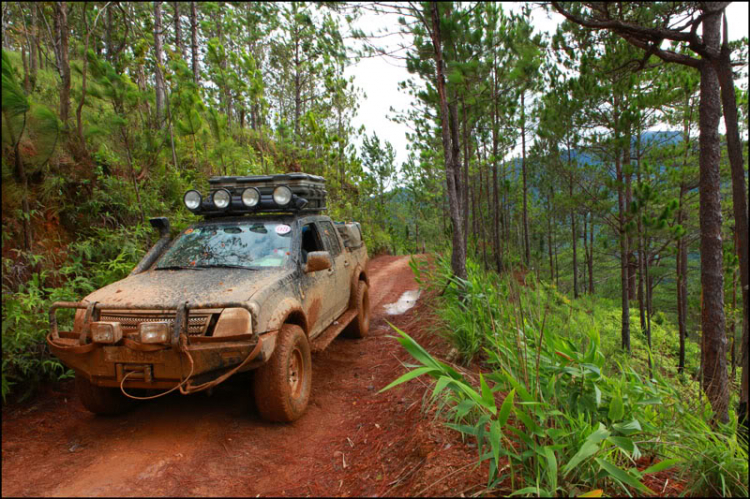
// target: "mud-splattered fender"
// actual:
[[289, 310], [357, 275]]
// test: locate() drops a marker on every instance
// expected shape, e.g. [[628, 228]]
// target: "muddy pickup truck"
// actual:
[[264, 279]]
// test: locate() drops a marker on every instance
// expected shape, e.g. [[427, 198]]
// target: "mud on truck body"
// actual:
[[263, 280]]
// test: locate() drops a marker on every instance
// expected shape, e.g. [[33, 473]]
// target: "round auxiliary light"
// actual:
[[192, 200], [282, 195], [221, 198], [250, 197]]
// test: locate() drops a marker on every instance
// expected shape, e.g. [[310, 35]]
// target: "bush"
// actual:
[[575, 417]]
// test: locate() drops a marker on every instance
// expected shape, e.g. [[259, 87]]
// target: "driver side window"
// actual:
[[310, 241]]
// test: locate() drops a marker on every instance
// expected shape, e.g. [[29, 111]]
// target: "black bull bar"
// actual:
[[179, 336]]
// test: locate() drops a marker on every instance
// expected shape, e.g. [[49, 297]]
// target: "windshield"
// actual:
[[245, 245]]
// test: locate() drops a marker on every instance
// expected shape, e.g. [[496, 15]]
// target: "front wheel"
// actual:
[[360, 326], [101, 400], [283, 384]]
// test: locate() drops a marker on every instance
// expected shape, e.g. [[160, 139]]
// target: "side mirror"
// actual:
[[317, 260]]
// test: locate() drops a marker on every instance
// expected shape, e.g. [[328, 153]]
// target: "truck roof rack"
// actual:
[[253, 194]]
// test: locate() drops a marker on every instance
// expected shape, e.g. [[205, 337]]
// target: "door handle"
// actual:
[[330, 270], [346, 263]]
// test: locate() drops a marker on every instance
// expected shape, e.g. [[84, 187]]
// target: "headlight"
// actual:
[[221, 198], [233, 321], [106, 332], [282, 195], [192, 200], [154, 332], [250, 197]]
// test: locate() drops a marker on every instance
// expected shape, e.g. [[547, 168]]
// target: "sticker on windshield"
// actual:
[[282, 229]]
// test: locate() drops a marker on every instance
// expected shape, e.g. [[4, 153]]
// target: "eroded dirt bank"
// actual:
[[351, 441]]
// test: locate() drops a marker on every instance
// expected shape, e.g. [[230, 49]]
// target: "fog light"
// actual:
[[106, 332], [154, 332]]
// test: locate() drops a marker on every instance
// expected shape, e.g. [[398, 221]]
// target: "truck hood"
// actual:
[[166, 289]]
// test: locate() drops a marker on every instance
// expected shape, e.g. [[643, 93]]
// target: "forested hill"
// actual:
[[601, 165]]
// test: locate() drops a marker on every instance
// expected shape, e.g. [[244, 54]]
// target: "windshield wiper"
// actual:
[[225, 266], [179, 267]]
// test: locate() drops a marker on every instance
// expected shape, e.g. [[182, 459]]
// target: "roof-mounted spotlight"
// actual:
[[282, 195], [192, 200], [250, 197], [221, 198]]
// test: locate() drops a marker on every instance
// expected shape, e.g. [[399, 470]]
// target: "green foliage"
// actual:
[[573, 417]]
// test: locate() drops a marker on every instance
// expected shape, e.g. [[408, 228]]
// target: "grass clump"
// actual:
[[571, 416]]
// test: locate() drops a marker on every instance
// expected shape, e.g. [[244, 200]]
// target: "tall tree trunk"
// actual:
[[739, 199], [33, 45], [496, 225], [681, 295], [458, 256], [526, 251], [733, 326], [194, 42], [21, 173], [575, 240], [584, 239], [632, 262], [158, 49], [297, 89], [641, 269], [177, 19], [465, 181], [108, 27], [63, 63], [26, 82], [591, 256], [624, 280], [549, 236], [712, 276]]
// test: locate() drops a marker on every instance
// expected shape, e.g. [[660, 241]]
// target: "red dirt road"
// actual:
[[351, 441]]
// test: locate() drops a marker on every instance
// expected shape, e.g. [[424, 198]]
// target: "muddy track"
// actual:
[[351, 441]]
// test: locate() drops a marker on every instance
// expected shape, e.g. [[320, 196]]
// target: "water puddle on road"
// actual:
[[407, 300]]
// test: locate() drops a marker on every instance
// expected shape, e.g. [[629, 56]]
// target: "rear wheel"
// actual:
[[283, 384], [101, 400], [360, 326]]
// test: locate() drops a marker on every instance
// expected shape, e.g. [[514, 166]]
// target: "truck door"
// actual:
[[315, 286], [339, 294]]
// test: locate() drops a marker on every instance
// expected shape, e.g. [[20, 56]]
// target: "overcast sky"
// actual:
[[379, 77]]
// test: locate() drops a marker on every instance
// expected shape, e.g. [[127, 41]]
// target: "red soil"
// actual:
[[352, 440]]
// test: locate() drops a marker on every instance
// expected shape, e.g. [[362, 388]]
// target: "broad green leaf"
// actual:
[[551, 468], [505, 409], [598, 394], [623, 443], [623, 476], [661, 466], [488, 401], [628, 428], [408, 376], [588, 449], [495, 436], [442, 382], [616, 408]]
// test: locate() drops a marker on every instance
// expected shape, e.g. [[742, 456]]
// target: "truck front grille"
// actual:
[[197, 323]]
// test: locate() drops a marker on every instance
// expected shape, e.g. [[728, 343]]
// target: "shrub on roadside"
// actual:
[[574, 418]]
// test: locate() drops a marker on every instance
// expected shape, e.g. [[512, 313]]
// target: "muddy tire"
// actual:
[[282, 385], [101, 400], [360, 326]]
